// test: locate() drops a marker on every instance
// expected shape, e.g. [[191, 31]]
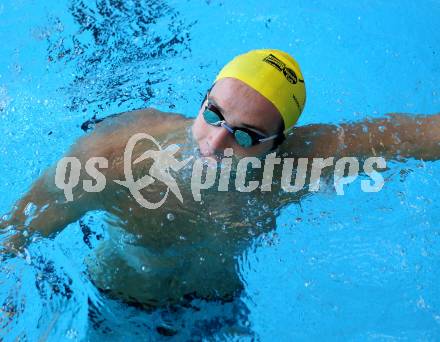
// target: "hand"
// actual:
[[12, 240]]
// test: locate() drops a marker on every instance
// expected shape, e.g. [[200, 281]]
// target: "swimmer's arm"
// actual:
[[52, 211], [44, 210], [394, 136]]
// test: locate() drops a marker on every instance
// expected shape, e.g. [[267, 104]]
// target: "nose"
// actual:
[[218, 139]]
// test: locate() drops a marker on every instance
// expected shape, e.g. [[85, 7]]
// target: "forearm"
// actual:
[[43, 209], [395, 136]]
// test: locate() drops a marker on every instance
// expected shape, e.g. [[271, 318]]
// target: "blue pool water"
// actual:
[[359, 267]]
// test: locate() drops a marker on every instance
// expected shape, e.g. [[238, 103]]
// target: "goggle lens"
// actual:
[[211, 117], [243, 138]]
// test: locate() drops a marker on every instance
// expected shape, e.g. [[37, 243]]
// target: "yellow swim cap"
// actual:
[[276, 76]]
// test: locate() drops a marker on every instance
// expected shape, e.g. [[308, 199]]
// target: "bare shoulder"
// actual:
[[141, 120], [112, 134]]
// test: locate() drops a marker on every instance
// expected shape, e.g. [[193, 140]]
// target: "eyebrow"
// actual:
[[244, 125]]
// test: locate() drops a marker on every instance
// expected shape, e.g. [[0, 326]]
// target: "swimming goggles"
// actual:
[[244, 137]]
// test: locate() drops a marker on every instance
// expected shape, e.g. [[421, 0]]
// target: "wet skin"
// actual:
[[195, 254]]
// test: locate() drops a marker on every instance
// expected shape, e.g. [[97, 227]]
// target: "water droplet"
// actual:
[[251, 201], [30, 209], [27, 257], [421, 304], [72, 334]]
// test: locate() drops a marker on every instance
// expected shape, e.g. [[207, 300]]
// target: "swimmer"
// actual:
[[182, 251]]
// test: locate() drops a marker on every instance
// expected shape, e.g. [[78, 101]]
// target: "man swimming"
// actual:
[[157, 259]]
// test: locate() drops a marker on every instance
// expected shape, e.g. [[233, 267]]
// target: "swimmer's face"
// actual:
[[241, 106]]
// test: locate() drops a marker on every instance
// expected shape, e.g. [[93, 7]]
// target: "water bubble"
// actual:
[[170, 217], [396, 139], [421, 304], [72, 334], [44, 208], [30, 209], [251, 201], [27, 257]]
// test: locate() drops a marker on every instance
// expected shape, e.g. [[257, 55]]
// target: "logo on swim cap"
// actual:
[[288, 73], [272, 60]]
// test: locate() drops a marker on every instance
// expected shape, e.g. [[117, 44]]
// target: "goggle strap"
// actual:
[[272, 137]]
